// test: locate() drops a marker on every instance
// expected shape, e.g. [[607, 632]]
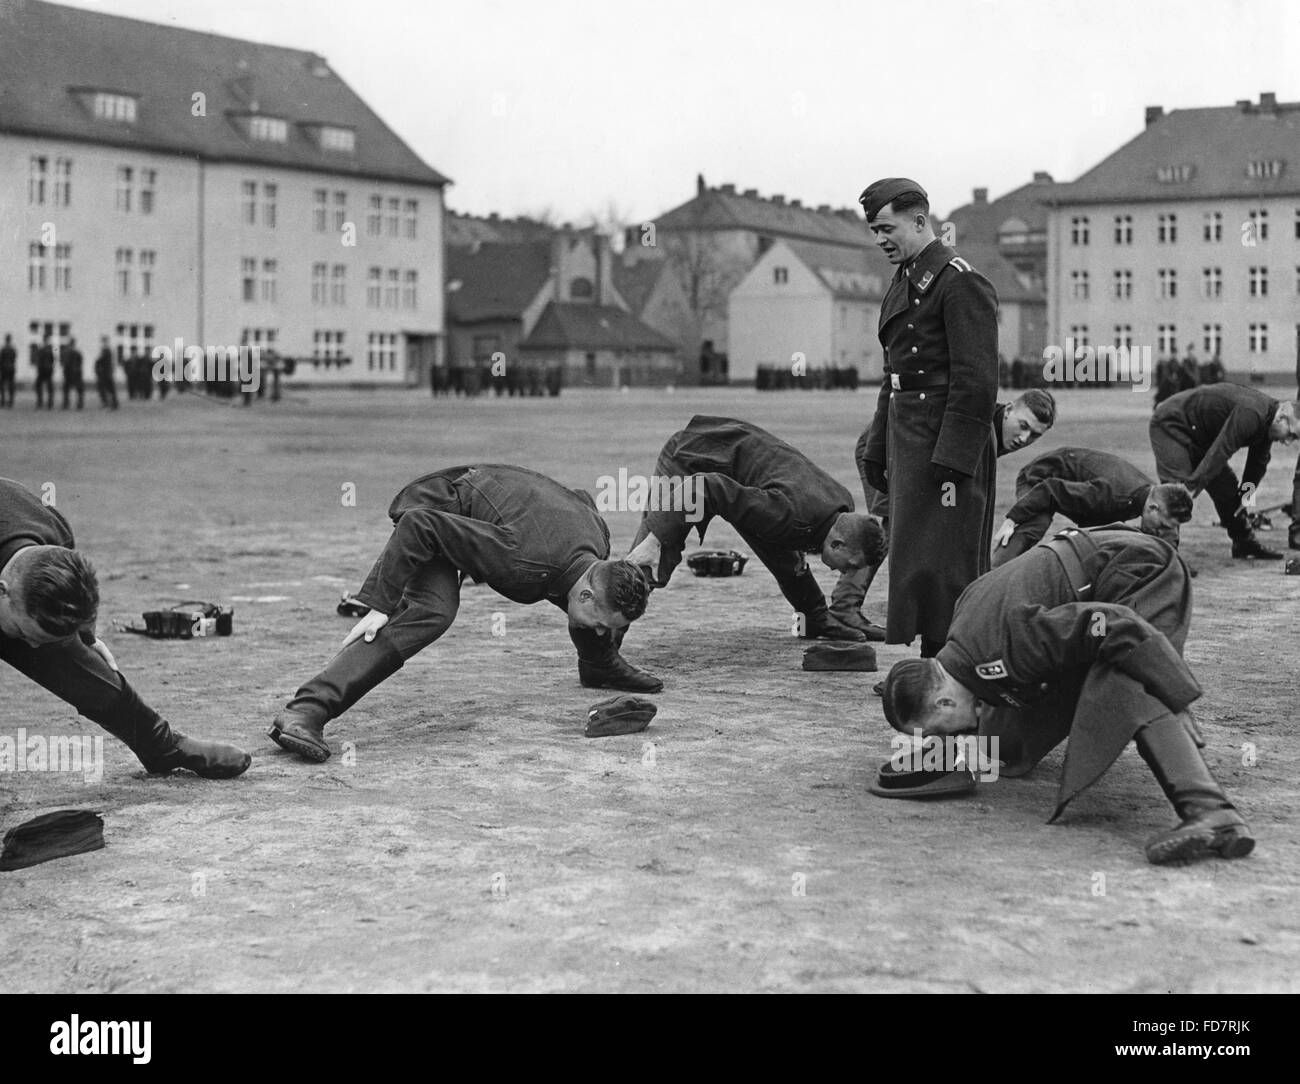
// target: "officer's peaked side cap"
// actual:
[[880, 194]]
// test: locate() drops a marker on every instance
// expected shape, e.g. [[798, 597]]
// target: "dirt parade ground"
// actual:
[[466, 836]]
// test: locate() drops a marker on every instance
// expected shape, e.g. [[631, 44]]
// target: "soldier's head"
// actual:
[[1165, 508], [1285, 426], [921, 695], [898, 215], [47, 594], [1027, 419], [855, 541], [609, 596]]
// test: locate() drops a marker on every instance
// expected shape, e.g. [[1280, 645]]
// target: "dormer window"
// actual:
[[118, 107], [1265, 169], [337, 139], [268, 129]]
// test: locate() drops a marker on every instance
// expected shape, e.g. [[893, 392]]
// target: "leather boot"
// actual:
[[161, 749], [353, 672], [847, 598], [601, 666], [1210, 826], [803, 593], [1250, 548]]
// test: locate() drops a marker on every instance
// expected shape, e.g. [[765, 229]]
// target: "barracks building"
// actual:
[[159, 183]]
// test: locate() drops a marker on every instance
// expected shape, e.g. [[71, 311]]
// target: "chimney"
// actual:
[[796, 203], [493, 217], [728, 189], [823, 208], [779, 200], [751, 193], [1243, 104], [1154, 113], [700, 186], [1268, 102], [981, 195], [1040, 177]]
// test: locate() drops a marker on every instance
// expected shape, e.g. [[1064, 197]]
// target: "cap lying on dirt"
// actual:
[[52, 835], [619, 715], [832, 656]]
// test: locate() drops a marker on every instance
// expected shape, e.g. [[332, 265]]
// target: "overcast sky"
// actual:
[[571, 105]]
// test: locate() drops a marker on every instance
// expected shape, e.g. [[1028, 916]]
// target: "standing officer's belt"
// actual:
[[1072, 548], [913, 381]]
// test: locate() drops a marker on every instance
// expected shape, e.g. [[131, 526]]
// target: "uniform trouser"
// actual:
[[71, 384], [1028, 534], [1295, 502], [80, 677], [107, 392], [427, 609], [851, 588], [44, 384], [1175, 462], [6, 389]]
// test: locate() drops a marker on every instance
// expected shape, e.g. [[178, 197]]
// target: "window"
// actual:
[[1212, 339], [248, 277], [114, 107], [125, 258], [374, 284], [269, 192], [392, 288], [780, 275], [320, 209], [1212, 281], [1123, 285], [381, 351], [1259, 282], [1168, 282], [148, 182], [1124, 335], [125, 183], [394, 212], [1079, 333], [148, 257], [1079, 285], [1167, 340], [62, 182], [1297, 278], [339, 284], [249, 198], [268, 281], [318, 283], [1264, 169], [1123, 229], [581, 289], [410, 283], [1259, 338], [1297, 223], [1167, 228], [340, 210], [338, 139], [134, 337], [36, 267], [1259, 225], [375, 216], [37, 175], [62, 268], [1213, 226], [327, 347], [1079, 230], [268, 129], [412, 216]]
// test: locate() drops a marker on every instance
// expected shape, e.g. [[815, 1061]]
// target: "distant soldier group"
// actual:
[[822, 378], [529, 380]]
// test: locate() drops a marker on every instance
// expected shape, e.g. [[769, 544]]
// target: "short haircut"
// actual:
[[909, 688], [910, 202], [863, 534], [1176, 500], [1040, 404], [622, 587], [59, 590]]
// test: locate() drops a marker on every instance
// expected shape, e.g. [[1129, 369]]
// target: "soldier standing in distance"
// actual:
[[8, 366], [932, 447], [45, 375], [73, 379], [104, 375]]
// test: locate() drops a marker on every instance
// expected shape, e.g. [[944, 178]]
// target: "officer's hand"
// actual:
[[1004, 533], [875, 475], [101, 649], [940, 474], [367, 627]]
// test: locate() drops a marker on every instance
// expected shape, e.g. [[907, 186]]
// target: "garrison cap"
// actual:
[[882, 193]]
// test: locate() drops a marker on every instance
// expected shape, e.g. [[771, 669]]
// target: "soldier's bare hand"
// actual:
[[101, 649], [367, 627], [1003, 534]]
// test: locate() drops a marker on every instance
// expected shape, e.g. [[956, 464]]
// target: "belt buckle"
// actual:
[[894, 382]]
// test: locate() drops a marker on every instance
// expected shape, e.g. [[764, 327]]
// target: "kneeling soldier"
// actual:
[[1081, 637], [521, 533], [776, 498], [48, 602]]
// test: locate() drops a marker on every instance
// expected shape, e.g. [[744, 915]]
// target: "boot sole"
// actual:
[[1193, 847], [291, 743]]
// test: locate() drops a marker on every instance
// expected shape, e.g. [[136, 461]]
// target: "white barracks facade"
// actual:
[[162, 184]]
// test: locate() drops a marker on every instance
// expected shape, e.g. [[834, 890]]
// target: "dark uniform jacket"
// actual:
[[1092, 488], [26, 521], [1079, 637], [938, 321], [104, 365], [1214, 422], [8, 359], [72, 361], [768, 490], [523, 534], [45, 360]]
